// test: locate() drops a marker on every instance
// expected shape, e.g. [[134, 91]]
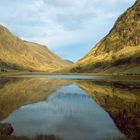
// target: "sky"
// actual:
[[70, 28]]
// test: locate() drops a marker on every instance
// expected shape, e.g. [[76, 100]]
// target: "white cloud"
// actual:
[[62, 24]]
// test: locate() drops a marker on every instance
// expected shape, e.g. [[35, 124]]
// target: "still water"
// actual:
[[72, 108]]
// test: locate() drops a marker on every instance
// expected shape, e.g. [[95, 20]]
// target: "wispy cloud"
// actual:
[[63, 25]]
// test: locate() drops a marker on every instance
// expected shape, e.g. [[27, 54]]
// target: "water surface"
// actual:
[[75, 108]]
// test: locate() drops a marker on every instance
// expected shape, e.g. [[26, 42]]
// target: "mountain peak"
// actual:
[[120, 47], [16, 54]]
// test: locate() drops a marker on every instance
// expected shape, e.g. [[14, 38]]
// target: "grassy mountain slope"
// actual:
[[17, 54], [119, 51]]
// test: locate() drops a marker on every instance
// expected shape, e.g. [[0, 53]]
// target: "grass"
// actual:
[[44, 137], [17, 54], [39, 137], [122, 61], [119, 51]]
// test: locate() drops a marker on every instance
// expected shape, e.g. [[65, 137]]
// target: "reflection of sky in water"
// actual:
[[68, 113]]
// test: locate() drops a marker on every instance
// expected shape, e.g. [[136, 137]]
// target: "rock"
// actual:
[[131, 86], [6, 129], [3, 70]]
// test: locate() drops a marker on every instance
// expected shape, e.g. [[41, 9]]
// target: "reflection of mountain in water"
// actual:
[[70, 109], [122, 104], [68, 113], [15, 92]]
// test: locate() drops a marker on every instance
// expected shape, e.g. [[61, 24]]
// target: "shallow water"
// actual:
[[70, 107]]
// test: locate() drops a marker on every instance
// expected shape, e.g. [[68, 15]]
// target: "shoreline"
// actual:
[[52, 73]]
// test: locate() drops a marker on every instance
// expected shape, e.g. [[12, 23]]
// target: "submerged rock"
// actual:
[[6, 129]]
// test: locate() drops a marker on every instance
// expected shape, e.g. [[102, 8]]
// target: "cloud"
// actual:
[[62, 25]]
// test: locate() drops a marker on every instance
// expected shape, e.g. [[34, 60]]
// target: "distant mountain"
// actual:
[[16, 54], [69, 61], [119, 51]]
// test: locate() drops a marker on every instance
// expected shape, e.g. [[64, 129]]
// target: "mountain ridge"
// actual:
[[17, 54], [119, 50]]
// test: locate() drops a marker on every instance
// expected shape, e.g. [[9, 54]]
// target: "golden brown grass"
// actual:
[[119, 51], [18, 54]]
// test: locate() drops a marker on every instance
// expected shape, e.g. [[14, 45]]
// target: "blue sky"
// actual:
[[70, 28]]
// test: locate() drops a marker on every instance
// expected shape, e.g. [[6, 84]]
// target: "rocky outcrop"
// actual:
[[6, 129], [119, 51]]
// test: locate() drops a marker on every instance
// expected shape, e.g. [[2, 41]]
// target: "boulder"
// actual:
[[6, 129]]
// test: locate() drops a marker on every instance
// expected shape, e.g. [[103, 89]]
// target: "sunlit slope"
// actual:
[[119, 51], [17, 54]]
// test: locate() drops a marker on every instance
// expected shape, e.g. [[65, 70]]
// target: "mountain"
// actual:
[[69, 61], [16, 54], [119, 51]]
